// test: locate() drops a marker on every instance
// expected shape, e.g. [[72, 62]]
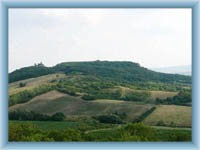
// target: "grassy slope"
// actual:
[[42, 99], [33, 82], [46, 79], [162, 94], [179, 115], [154, 94], [75, 106]]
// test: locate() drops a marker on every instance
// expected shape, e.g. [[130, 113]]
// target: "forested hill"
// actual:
[[121, 71]]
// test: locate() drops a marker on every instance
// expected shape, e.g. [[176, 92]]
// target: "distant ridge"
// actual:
[[121, 71]]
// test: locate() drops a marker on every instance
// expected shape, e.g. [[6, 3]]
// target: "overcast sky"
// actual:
[[151, 37]]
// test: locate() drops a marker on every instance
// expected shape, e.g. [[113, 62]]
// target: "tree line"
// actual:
[[34, 116], [110, 70], [184, 97]]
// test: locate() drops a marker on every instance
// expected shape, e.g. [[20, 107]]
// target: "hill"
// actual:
[[96, 98], [99, 80], [121, 71]]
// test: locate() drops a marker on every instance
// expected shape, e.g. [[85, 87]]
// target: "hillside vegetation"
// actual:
[[69, 131], [99, 101], [122, 71], [31, 83]]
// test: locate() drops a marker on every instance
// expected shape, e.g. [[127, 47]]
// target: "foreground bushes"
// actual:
[[66, 135], [29, 132], [130, 132], [138, 132]]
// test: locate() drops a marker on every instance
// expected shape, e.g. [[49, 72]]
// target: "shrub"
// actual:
[[136, 96], [21, 84], [25, 132], [59, 116], [122, 115], [65, 135], [88, 97], [139, 132], [109, 119], [160, 123], [172, 124]]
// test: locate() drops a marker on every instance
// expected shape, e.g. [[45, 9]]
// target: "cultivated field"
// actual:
[[54, 101], [170, 115], [162, 94]]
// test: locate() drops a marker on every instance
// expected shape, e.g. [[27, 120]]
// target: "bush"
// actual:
[[59, 116], [65, 135], [25, 132], [160, 123], [109, 119], [30, 132], [138, 132], [21, 84], [88, 97], [122, 115], [66, 89], [136, 96]]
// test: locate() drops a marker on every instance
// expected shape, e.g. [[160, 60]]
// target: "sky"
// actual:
[[151, 37]]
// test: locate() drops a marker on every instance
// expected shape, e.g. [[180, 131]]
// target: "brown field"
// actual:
[[53, 101], [41, 99]]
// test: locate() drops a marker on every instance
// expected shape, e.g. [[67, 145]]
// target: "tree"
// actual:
[[109, 119], [59, 116], [21, 84]]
